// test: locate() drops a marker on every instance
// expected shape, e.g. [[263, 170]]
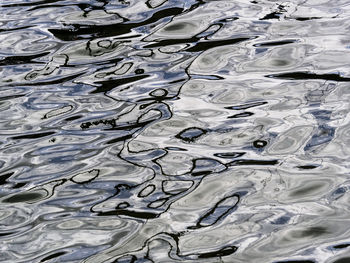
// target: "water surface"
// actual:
[[174, 131]]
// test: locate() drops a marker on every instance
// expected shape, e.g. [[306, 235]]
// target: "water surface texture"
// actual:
[[174, 131]]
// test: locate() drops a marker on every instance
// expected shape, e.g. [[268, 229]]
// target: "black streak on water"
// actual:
[[341, 246], [129, 213], [275, 43], [11, 97], [201, 46], [33, 136], [253, 162], [55, 255], [273, 15], [307, 167], [308, 75], [306, 18], [32, 3], [241, 115], [220, 253], [229, 155], [14, 60], [119, 139]]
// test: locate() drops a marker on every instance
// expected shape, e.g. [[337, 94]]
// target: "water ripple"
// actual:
[[174, 131]]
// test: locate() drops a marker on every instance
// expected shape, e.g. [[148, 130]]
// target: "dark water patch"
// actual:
[[342, 260], [73, 118], [307, 167], [220, 253], [279, 11], [78, 31], [129, 213], [341, 246], [120, 139], [241, 115], [253, 162], [306, 18], [273, 15], [4, 98], [19, 185], [5, 234], [55, 255], [33, 136], [205, 45], [208, 77], [28, 197], [139, 71], [4, 177], [308, 76], [176, 149], [23, 59], [24, 3], [229, 155], [275, 43], [228, 19]]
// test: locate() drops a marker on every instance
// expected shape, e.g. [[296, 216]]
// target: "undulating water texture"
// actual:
[[174, 131]]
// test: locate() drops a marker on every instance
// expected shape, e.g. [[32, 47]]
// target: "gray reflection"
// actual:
[[174, 131]]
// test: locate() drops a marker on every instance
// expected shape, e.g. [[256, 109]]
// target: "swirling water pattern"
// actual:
[[174, 131]]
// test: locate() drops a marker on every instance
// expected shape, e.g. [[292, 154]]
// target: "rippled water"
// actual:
[[174, 131]]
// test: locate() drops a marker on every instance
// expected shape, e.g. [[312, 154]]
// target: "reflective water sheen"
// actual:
[[174, 131]]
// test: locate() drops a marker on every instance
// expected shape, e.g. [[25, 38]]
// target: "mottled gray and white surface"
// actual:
[[174, 131]]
